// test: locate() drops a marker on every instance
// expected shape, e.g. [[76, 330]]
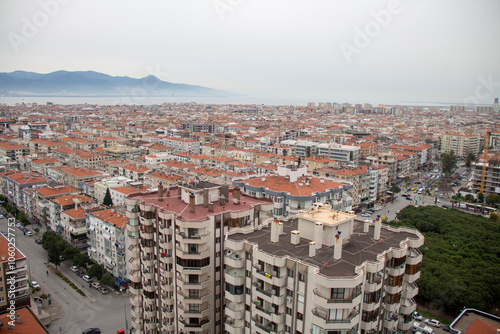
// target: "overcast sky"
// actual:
[[330, 50]]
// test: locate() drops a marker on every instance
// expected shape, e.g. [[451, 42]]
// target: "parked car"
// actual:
[[92, 331], [38, 241], [73, 269], [96, 285], [28, 233], [366, 214], [87, 278], [445, 206], [1, 217], [104, 290], [409, 198], [34, 284], [447, 329], [433, 322], [417, 316]]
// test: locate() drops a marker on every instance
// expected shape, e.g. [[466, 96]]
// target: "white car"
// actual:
[[73, 269], [87, 278], [417, 316], [34, 284], [433, 322]]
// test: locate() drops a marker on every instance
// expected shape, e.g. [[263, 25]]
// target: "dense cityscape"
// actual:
[[225, 218]]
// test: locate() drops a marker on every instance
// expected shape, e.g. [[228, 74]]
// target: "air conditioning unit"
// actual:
[[289, 299]]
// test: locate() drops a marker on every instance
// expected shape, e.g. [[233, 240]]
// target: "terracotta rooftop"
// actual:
[[54, 191], [4, 250], [29, 323], [111, 217], [283, 184]]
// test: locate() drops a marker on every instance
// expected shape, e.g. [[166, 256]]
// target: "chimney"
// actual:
[[168, 191], [191, 203], [19, 319], [236, 195], [205, 197], [179, 192], [210, 207], [281, 229], [224, 190], [366, 226], [318, 235], [295, 237], [222, 199], [160, 192], [337, 251], [275, 231], [378, 227], [312, 249]]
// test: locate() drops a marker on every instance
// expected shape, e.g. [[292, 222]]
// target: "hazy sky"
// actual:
[[329, 50]]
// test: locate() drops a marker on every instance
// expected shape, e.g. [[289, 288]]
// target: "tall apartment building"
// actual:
[[461, 144], [322, 272], [175, 248], [13, 271], [106, 238], [491, 176], [346, 154]]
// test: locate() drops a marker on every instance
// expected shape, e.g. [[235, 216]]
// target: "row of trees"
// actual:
[[460, 258], [57, 247]]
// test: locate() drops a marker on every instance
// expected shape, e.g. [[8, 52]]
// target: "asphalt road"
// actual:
[[106, 312]]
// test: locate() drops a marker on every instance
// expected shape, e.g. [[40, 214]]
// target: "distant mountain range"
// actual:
[[90, 83]]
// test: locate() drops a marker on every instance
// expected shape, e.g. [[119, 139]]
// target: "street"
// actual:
[[77, 313]]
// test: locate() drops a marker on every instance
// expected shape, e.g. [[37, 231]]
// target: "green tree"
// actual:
[[469, 198], [449, 162], [81, 260], [395, 189], [107, 279], [492, 198], [96, 271], [22, 218], [70, 253], [108, 201], [480, 197], [470, 158]]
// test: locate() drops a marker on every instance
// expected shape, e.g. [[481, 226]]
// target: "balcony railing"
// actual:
[[324, 316], [337, 300]]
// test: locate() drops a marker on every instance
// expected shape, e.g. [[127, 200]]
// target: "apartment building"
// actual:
[[17, 186], [75, 177], [461, 144], [133, 172], [387, 160], [106, 239], [363, 186], [321, 272], [13, 151], [13, 276], [344, 154], [292, 190], [121, 152], [491, 175], [41, 165], [60, 204], [175, 248], [183, 145], [73, 224], [302, 148], [42, 196], [101, 186]]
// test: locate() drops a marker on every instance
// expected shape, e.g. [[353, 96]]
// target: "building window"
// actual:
[[337, 293], [289, 292], [288, 311], [302, 277], [290, 273], [217, 240], [300, 316], [194, 307]]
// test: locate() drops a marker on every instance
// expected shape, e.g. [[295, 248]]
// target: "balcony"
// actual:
[[235, 310], [324, 301], [202, 297], [271, 279], [192, 254], [193, 270], [199, 324], [410, 291], [415, 257], [235, 276], [320, 317], [234, 261], [201, 284], [203, 311], [408, 306], [195, 238]]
